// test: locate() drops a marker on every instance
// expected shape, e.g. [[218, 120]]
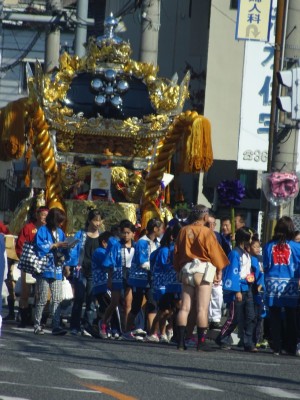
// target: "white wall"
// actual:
[[224, 81]]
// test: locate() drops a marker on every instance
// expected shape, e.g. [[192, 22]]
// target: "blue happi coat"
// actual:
[[139, 274], [114, 260], [282, 273], [43, 241], [77, 252], [164, 276], [232, 281], [99, 273]]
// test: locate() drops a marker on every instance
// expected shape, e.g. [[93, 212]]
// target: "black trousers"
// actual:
[[240, 310], [283, 328]]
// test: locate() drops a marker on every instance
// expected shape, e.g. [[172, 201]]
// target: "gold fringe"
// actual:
[[197, 154]]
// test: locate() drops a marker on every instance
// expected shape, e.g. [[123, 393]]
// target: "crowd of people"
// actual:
[[168, 283]]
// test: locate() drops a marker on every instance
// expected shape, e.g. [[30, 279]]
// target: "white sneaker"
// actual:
[[139, 332], [152, 338], [85, 333], [298, 350], [163, 339], [169, 333]]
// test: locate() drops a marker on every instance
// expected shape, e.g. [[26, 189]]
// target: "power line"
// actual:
[[23, 55]]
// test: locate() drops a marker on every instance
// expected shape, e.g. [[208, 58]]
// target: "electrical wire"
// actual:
[[23, 55], [128, 8]]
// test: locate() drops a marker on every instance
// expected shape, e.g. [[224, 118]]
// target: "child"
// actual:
[[238, 280], [164, 284], [119, 258], [140, 277], [260, 311], [99, 273]]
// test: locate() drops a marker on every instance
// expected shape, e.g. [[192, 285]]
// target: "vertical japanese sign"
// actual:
[[256, 102], [253, 20]]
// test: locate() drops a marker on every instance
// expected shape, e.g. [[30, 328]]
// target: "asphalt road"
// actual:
[[78, 368]]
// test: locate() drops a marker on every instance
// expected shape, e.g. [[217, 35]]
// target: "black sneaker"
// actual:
[[181, 347], [222, 345], [59, 331], [203, 346]]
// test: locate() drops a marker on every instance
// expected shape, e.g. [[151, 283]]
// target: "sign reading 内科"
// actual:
[[253, 20], [256, 101]]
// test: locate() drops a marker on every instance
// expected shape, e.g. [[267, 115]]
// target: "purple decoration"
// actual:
[[231, 193]]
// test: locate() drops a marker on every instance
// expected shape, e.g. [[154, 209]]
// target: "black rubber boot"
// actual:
[[181, 336]]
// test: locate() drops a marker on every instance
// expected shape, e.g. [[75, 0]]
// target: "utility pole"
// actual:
[[81, 27], [1, 27], [275, 160], [150, 31], [52, 45]]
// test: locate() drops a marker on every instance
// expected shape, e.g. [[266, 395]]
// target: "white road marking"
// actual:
[[46, 387], [8, 369], [22, 329], [191, 385], [94, 375], [276, 392], [33, 359], [11, 398]]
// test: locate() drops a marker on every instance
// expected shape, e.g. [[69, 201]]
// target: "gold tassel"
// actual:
[[13, 134], [197, 154], [207, 145]]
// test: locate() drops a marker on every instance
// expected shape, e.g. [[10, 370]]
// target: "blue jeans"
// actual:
[[83, 290]]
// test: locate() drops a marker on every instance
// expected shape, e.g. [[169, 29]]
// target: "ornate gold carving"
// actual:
[[51, 89], [129, 183]]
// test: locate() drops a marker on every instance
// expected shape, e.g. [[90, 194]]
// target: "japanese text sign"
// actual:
[[253, 20]]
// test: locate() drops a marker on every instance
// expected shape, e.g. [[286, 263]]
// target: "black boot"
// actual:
[[11, 311], [23, 312], [181, 336]]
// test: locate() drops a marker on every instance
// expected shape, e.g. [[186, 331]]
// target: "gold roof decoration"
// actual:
[[105, 54]]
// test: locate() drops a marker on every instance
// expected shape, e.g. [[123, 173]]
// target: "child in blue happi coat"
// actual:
[[118, 261], [140, 277], [239, 278], [261, 327], [166, 288]]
